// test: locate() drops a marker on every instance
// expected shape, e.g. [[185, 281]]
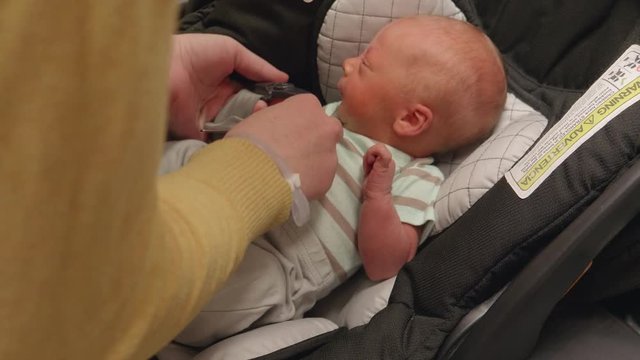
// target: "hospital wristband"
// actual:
[[300, 211]]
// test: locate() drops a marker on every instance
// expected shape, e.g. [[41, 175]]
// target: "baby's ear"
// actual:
[[415, 120]]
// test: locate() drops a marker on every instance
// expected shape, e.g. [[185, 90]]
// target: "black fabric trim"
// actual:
[[555, 51], [280, 31], [616, 271], [382, 338]]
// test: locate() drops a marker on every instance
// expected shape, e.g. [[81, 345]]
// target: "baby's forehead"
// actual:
[[397, 27], [389, 37], [408, 26], [405, 34]]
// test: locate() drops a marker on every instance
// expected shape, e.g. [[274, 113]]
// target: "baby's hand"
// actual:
[[260, 104], [379, 168]]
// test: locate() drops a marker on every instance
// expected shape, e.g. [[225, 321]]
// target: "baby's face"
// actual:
[[370, 84], [407, 66]]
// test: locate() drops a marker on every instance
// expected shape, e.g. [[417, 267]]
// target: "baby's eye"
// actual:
[[364, 64]]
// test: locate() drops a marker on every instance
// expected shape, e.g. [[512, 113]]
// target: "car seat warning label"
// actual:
[[617, 89]]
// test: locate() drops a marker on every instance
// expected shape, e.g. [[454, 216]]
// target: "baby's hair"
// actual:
[[486, 88], [464, 79]]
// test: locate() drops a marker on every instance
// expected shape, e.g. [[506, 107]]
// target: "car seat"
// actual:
[[503, 265]]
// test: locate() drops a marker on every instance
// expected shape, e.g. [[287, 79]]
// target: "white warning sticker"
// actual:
[[617, 89]]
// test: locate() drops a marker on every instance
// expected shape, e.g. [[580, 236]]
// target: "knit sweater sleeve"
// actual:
[[100, 258]]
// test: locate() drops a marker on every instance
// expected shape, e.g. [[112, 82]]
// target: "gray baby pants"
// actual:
[[177, 153], [280, 277]]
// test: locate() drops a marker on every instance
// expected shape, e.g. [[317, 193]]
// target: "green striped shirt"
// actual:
[[334, 218]]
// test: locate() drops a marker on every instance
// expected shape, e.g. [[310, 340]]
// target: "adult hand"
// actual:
[[199, 78], [300, 133]]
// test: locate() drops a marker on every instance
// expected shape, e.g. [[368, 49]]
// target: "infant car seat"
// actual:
[[499, 278]]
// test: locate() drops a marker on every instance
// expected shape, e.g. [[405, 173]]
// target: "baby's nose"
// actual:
[[349, 65]]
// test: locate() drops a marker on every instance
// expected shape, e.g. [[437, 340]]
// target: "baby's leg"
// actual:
[[255, 290]]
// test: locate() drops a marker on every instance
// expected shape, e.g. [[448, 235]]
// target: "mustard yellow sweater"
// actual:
[[99, 257]]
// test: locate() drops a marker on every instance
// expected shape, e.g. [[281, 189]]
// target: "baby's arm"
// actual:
[[385, 243]]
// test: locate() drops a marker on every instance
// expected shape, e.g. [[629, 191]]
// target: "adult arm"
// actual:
[[100, 258], [385, 243]]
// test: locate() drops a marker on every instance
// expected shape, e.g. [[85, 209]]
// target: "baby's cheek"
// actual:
[[348, 107]]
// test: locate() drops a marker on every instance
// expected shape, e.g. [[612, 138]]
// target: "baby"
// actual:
[[424, 85]]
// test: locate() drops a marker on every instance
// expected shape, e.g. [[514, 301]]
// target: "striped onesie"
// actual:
[[334, 218]]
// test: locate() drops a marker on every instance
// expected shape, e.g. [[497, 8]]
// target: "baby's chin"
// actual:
[[342, 115]]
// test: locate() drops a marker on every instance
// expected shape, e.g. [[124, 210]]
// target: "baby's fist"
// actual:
[[379, 169]]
